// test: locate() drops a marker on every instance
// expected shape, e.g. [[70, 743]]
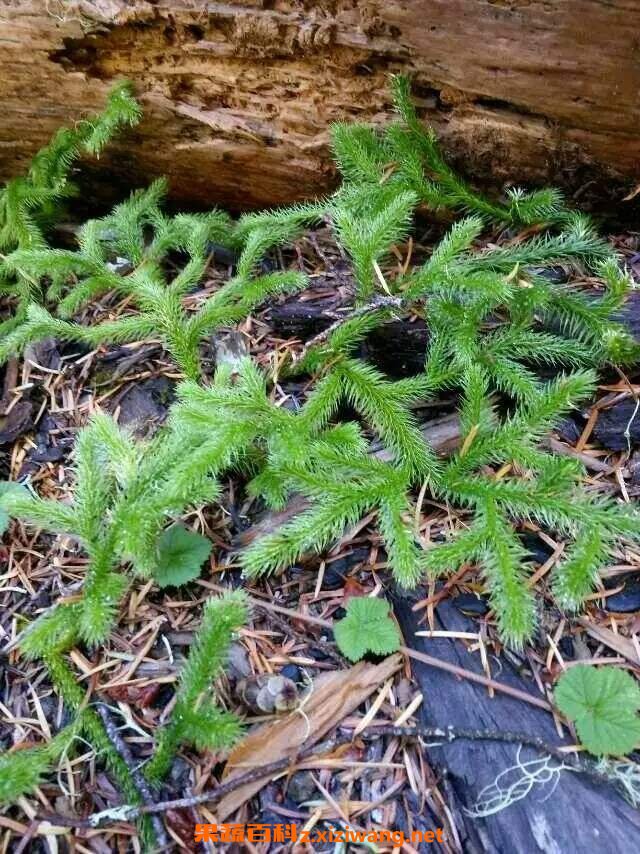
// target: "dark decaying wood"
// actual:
[[562, 817], [618, 426], [397, 347]]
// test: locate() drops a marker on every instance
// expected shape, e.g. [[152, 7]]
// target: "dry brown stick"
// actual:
[[129, 812], [478, 678], [411, 653], [438, 735], [138, 778], [10, 382]]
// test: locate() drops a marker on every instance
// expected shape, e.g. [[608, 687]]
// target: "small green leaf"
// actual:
[[603, 703], [616, 732], [367, 627], [5, 488], [181, 555]]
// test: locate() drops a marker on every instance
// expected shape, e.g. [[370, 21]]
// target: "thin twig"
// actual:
[[136, 775], [378, 303], [439, 735]]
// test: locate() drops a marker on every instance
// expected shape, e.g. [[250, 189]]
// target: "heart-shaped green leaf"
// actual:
[[181, 554], [367, 627], [603, 703]]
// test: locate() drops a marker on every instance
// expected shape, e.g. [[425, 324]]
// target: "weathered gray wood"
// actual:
[[572, 817]]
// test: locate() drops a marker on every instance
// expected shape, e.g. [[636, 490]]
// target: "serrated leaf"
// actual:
[[585, 688], [367, 627], [616, 732], [181, 554], [603, 703]]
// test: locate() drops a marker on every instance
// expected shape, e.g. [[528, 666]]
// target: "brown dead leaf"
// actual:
[[333, 696], [148, 694], [16, 422], [352, 589], [120, 693], [634, 626], [181, 823], [138, 696]]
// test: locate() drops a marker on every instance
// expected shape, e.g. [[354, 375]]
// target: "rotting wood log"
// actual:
[[568, 813], [238, 96]]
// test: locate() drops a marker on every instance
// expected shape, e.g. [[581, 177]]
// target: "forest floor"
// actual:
[[384, 782]]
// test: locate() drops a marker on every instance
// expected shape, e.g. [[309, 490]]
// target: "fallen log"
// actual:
[[238, 97]]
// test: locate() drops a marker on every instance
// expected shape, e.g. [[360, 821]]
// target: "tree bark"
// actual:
[[238, 96]]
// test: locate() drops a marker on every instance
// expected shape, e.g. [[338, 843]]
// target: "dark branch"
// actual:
[[439, 735]]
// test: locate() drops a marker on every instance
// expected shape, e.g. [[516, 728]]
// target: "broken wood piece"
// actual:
[[564, 812]]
